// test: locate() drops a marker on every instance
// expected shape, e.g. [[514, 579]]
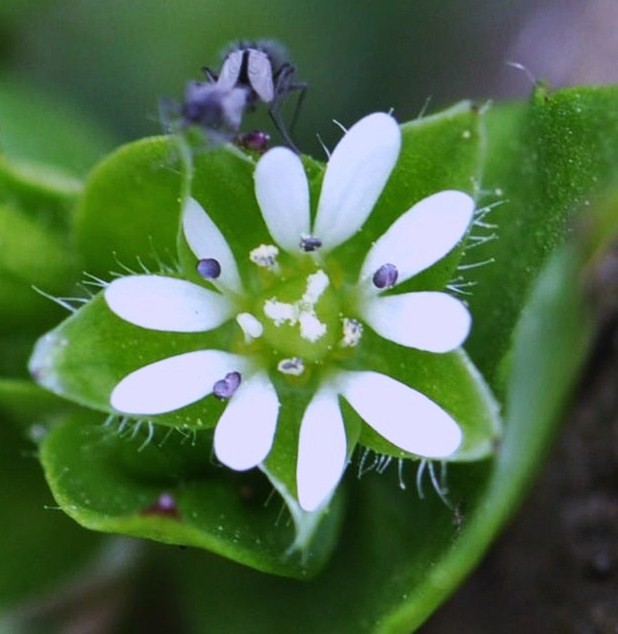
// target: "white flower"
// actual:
[[303, 327]]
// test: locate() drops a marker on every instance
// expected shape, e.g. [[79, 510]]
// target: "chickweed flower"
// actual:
[[302, 317]]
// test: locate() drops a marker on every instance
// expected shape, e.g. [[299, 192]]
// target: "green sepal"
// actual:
[[87, 355], [111, 479], [451, 380], [128, 215]]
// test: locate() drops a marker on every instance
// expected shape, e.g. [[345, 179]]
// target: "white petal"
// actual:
[[206, 241], [245, 431], [166, 303], [430, 321], [355, 177], [282, 192], [322, 451], [172, 383], [405, 417], [423, 235]]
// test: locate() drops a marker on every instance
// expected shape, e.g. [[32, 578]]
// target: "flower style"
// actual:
[[304, 317]]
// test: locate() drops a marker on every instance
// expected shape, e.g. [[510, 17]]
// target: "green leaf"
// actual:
[[118, 488], [544, 162], [43, 192], [32, 255], [35, 215]]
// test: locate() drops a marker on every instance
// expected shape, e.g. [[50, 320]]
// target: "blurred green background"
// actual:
[[113, 59]]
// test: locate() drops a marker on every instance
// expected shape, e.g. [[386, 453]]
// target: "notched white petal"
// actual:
[[322, 451], [355, 176], [282, 192], [431, 321], [206, 241], [167, 385], [245, 431], [167, 303], [423, 235], [406, 418]]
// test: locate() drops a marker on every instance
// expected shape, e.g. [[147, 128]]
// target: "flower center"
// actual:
[[301, 317]]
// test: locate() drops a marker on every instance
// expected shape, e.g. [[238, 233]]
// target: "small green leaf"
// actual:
[[32, 256], [35, 216]]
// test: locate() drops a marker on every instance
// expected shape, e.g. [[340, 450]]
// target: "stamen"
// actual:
[[316, 285], [209, 268], [352, 332], [250, 325], [311, 328], [302, 311], [281, 312], [386, 276], [294, 366], [265, 256], [309, 243], [225, 388]]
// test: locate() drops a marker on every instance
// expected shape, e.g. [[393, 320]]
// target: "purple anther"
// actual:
[[386, 276], [294, 366], [225, 388], [209, 268], [310, 243]]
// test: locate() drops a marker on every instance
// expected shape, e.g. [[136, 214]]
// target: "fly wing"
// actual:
[[260, 73], [230, 70]]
